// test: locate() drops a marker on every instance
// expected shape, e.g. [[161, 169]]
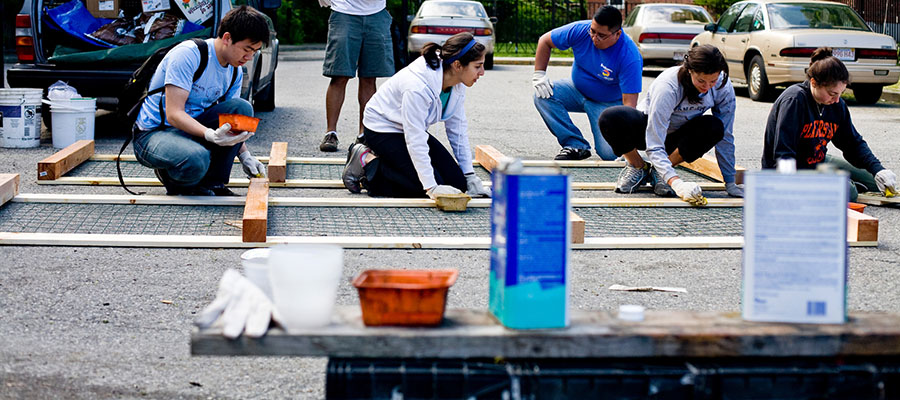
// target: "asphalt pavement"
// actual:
[[78, 322]]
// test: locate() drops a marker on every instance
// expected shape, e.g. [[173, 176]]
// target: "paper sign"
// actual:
[[196, 11], [154, 5], [795, 247], [108, 5]]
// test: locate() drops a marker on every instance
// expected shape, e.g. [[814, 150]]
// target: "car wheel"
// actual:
[[867, 93], [757, 81], [265, 99], [489, 61]]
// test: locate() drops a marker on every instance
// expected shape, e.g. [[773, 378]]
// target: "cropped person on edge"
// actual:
[[606, 72], [177, 131], [810, 114], [399, 157], [669, 124]]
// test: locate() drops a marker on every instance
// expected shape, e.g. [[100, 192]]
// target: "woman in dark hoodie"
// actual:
[[810, 114]]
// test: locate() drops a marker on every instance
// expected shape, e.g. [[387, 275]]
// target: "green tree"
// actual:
[[715, 7]]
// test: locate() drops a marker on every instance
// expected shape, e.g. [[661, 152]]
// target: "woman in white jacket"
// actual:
[[399, 157]]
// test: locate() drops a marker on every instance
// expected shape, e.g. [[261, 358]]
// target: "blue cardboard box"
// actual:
[[530, 245]]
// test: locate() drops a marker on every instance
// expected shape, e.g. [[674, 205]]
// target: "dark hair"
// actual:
[[609, 17], [451, 47], [245, 22], [826, 69], [704, 59]]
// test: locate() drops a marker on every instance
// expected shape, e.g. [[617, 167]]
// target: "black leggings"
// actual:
[[392, 173], [625, 129]]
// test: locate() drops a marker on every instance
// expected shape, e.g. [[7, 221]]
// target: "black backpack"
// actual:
[[138, 88]]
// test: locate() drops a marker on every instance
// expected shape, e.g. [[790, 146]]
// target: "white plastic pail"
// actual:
[[73, 120], [20, 117]]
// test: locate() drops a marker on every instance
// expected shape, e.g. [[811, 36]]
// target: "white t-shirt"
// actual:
[[358, 7]]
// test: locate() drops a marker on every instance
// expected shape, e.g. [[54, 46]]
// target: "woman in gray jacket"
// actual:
[[399, 157], [669, 124]]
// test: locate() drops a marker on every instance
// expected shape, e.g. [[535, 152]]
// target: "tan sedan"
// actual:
[[769, 42]]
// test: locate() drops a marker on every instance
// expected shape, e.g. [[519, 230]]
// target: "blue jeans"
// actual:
[[555, 112], [191, 161]]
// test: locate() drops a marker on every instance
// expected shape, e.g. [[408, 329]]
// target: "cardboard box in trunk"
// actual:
[[103, 8]]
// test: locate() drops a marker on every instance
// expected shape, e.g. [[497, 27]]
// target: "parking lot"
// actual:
[[91, 322]]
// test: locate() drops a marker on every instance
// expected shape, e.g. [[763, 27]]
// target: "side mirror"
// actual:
[[493, 20], [712, 27], [409, 18]]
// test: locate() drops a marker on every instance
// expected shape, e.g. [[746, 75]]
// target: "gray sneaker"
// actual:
[[353, 171], [329, 142], [631, 178], [660, 187]]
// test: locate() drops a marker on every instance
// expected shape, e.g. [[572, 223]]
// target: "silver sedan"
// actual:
[[437, 20]]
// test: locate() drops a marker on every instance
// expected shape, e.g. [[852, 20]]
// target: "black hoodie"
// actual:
[[796, 129]]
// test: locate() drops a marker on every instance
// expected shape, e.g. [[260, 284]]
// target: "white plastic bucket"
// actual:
[[305, 279], [20, 123], [256, 269], [73, 120]]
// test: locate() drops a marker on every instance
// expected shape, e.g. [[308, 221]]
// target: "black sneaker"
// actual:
[[222, 191], [329, 142], [571, 153]]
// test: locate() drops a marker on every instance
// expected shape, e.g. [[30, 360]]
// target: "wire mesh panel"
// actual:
[[658, 221], [370, 221]]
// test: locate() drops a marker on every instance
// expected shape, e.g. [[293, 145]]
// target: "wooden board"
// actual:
[[591, 334], [877, 199], [65, 160], [256, 211], [277, 169], [710, 168], [488, 156], [9, 187], [577, 227], [861, 227]]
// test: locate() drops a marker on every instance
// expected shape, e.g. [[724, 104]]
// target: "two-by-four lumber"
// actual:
[[277, 169], [256, 211], [577, 227], [710, 168], [488, 156], [9, 187], [64, 160], [861, 227]]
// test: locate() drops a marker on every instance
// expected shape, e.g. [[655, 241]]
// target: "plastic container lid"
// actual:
[[631, 312]]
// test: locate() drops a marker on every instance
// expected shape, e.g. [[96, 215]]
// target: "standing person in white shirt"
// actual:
[[359, 43], [405, 160]]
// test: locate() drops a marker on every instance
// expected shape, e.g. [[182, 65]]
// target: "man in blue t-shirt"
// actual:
[[606, 72], [177, 131]]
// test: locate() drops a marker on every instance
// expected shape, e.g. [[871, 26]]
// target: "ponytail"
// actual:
[[451, 50], [826, 69]]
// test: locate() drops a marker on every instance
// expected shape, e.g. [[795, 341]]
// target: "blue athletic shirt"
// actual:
[[177, 68], [600, 75]]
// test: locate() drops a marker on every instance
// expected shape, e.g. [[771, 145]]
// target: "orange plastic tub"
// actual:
[[856, 206], [404, 297], [239, 122]]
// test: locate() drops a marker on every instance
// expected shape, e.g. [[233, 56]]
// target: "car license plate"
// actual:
[[678, 56], [844, 54]]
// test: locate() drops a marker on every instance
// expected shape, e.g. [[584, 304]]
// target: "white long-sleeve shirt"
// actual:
[[408, 103], [667, 112]]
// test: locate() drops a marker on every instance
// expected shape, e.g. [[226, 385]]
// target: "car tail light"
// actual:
[[648, 38], [797, 52], [677, 36], [881, 54], [450, 30], [24, 41]]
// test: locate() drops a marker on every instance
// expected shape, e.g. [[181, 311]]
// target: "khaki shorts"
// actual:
[[359, 44]]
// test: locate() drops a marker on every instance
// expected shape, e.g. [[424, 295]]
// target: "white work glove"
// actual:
[[440, 190], [252, 167], [223, 136], [474, 186], [887, 182], [543, 87], [325, 3], [734, 190], [240, 306], [689, 192]]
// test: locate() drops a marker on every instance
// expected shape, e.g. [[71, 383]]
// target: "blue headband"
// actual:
[[461, 53]]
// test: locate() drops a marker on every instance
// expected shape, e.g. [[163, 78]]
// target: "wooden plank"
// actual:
[[256, 211], [591, 334], [277, 169], [577, 227], [488, 156], [129, 199], [710, 167], [877, 199], [235, 182], [65, 160], [861, 227], [9, 187]]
